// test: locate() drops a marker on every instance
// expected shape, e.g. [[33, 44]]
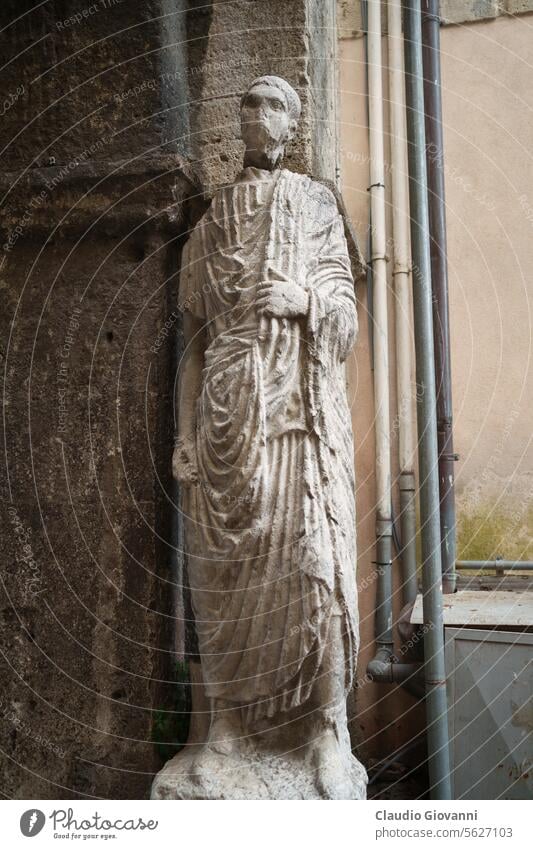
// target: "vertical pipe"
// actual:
[[401, 277], [437, 727], [369, 285], [383, 622], [439, 278]]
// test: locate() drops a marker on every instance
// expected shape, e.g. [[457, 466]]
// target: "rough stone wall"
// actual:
[[117, 116], [89, 169], [231, 43], [461, 11]]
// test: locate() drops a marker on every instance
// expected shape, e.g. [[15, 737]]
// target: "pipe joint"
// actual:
[[383, 668], [407, 482], [449, 583], [384, 528], [379, 668], [378, 258], [401, 268]]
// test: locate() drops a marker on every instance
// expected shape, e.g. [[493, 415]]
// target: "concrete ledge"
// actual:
[[98, 195]]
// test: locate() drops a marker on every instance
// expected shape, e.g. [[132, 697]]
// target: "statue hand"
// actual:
[[282, 298], [184, 468]]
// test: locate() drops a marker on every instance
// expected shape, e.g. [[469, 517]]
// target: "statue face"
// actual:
[[265, 121]]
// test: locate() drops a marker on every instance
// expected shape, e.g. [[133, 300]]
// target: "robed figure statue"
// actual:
[[264, 458]]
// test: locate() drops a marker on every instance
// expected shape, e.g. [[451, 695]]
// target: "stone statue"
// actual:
[[264, 457]]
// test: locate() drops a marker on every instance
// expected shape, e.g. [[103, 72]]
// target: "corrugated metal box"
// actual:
[[490, 712]]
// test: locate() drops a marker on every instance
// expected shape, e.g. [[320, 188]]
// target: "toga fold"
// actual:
[[270, 526]]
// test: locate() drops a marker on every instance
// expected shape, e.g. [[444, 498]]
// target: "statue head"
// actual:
[[270, 110]]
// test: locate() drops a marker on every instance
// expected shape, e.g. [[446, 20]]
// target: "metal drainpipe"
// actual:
[[436, 703], [439, 282], [383, 562], [401, 276], [383, 667], [512, 565]]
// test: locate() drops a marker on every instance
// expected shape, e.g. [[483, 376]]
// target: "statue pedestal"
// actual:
[[199, 773]]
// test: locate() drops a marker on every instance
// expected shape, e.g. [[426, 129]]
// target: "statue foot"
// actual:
[[224, 741], [226, 736], [205, 765], [221, 747], [332, 778]]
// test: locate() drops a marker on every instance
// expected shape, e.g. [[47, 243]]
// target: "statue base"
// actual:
[[199, 772]]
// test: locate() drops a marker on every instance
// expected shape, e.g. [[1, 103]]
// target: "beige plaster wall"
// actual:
[[488, 116], [488, 120]]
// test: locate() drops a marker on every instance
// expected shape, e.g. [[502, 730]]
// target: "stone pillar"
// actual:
[[93, 183], [93, 174], [229, 45]]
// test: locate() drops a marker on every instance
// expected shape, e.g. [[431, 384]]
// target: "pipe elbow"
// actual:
[[385, 670], [380, 667]]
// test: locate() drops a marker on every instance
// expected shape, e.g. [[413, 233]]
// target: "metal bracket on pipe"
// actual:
[[427, 17]]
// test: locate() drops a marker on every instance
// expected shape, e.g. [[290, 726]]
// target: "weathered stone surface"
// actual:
[[97, 194], [85, 605], [98, 84], [349, 19], [103, 198], [264, 457], [231, 44], [455, 12], [93, 190], [253, 776], [517, 7]]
